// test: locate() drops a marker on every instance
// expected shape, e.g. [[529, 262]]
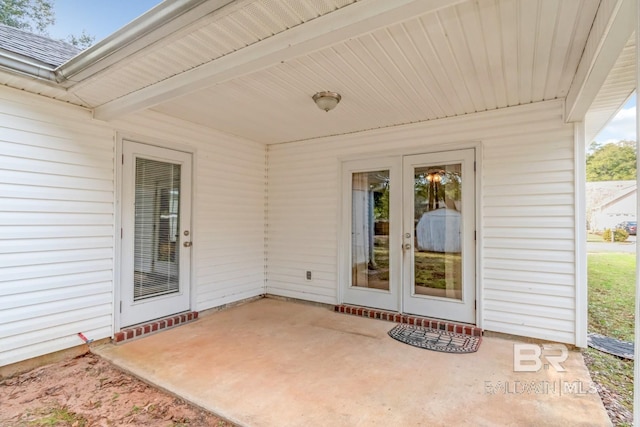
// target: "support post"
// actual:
[[636, 351]]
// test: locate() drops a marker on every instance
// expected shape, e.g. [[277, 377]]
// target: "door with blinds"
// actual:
[[156, 233]]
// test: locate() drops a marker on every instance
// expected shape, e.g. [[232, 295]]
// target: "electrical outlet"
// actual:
[[308, 275]]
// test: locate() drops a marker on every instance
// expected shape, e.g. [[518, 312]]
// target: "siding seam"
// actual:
[[266, 220]]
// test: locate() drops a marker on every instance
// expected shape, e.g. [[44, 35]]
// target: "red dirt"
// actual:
[[89, 391]]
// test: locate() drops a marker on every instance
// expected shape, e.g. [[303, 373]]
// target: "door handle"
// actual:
[[187, 244], [406, 246]]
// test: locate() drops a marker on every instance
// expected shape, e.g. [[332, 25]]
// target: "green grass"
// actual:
[[612, 372], [611, 307], [434, 269], [58, 416], [591, 237], [612, 294]]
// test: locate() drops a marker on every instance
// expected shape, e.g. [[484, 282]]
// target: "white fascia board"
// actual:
[[157, 24], [348, 22], [605, 122], [604, 44]]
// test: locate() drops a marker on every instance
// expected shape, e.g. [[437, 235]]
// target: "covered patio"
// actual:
[[272, 362], [182, 164]]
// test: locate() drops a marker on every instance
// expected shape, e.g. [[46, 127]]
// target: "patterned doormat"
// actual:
[[609, 345], [435, 339]]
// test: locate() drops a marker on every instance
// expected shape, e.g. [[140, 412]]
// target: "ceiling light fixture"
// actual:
[[327, 100]]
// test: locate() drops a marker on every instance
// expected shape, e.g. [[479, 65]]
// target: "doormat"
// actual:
[[435, 339], [608, 345]]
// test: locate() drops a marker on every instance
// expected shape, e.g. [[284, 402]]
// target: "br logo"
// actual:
[[533, 357]]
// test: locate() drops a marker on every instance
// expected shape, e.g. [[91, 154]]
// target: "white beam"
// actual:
[[351, 21], [612, 27], [580, 179], [636, 332]]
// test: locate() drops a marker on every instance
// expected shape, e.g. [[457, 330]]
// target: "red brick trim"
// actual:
[[155, 326], [409, 319]]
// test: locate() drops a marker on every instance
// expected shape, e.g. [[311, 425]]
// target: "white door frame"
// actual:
[[460, 310], [388, 300], [344, 249], [118, 168]]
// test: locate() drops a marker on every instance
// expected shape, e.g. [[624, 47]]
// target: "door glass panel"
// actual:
[[438, 229], [370, 229], [157, 221]]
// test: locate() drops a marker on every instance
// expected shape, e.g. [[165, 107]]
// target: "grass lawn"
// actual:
[[594, 237], [611, 294], [611, 308]]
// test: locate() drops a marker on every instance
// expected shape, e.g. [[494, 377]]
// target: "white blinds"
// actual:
[[157, 225]]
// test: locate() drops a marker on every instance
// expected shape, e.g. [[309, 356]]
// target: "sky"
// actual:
[[99, 18], [622, 126]]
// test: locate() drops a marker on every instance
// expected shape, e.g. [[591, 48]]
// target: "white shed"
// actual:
[[181, 164]]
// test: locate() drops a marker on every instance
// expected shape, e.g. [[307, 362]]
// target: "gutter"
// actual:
[[17, 64], [161, 21]]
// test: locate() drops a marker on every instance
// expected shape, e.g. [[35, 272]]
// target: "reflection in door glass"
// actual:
[[438, 230], [157, 221], [370, 230]]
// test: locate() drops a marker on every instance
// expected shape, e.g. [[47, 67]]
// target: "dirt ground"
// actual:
[[89, 391]]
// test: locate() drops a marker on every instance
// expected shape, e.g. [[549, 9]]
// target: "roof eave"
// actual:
[[156, 24]]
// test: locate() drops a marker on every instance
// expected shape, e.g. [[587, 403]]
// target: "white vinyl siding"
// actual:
[[526, 241], [56, 227], [529, 235], [58, 217]]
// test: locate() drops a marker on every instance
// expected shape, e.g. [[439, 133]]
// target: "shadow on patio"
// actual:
[[279, 363]]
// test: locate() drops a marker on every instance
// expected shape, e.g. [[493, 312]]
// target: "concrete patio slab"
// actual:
[[280, 363]]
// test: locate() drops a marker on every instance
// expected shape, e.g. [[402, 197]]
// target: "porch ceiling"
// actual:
[[250, 67], [474, 56]]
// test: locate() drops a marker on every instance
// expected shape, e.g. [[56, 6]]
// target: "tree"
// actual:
[[36, 16], [82, 41], [28, 15], [612, 162]]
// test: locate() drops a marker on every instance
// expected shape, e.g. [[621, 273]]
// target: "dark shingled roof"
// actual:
[[43, 49]]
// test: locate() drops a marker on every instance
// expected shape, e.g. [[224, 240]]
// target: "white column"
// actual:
[[636, 365], [582, 302]]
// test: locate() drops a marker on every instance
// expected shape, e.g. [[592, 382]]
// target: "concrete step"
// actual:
[[142, 329]]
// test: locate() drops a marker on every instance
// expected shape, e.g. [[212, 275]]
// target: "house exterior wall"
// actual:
[[58, 213], [612, 214], [526, 235], [58, 220]]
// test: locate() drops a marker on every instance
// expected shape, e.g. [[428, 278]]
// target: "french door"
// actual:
[[156, 237], [411, 234]]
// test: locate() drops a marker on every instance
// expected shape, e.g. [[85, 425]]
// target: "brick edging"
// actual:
[[442, 325], [155, 326]]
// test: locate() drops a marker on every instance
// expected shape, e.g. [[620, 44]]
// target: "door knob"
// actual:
[[407, 246], [187, 244]]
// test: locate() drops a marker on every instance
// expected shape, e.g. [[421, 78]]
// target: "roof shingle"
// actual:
[[40, 48]]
